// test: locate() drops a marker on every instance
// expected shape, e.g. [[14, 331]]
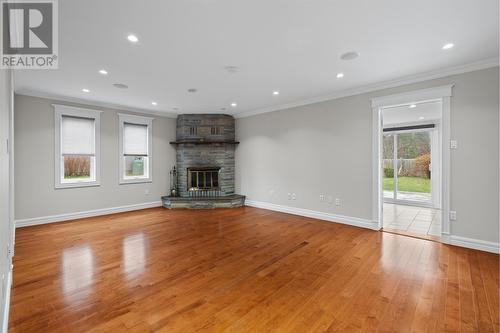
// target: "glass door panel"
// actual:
[[388, 165], [413, 167]]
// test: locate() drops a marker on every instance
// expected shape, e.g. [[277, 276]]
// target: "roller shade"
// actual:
[[135, 139], [78, 136]]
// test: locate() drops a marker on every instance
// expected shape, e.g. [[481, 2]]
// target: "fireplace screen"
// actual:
[[203, 179]]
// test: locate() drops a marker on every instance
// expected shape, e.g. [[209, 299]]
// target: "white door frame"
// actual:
[[442, 94]]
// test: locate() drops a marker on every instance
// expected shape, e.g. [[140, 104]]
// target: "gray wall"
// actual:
[[325, 148], [34, 164]]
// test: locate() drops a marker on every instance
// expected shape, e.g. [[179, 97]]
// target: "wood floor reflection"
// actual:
[[244, 270]]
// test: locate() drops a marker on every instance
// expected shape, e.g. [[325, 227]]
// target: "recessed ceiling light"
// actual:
[[231, 69], [421, 118], [448, 46], [276, 93], [120, 85], [234, 104], [103, 72], [85, 90], [133, 38], [412, 106], [349, 55], [340, 75], [192, 90], [154, 103]]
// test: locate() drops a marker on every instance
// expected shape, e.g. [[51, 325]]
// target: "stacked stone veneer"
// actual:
[[206, 128]]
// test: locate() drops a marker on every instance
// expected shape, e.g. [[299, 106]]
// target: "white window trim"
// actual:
[[65, 110], [139, 120]]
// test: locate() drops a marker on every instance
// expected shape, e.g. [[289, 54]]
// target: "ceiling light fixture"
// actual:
[[133, 38], [448, 46], [276, 93], [234, 104], [231, 69], [85, 90], [340, 75], [351, 55], [412, 106], [154, 103], [103, 72], [421, 118]]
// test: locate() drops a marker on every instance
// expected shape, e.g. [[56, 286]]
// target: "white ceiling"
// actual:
[[288, 45], [429, 111]]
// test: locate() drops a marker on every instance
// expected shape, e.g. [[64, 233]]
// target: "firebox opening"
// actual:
[[203, 179]]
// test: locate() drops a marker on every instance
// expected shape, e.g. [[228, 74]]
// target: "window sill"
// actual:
[[135, 181], [77, 185]]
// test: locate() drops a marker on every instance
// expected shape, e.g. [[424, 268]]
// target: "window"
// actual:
[[135, 149], [77, 146]]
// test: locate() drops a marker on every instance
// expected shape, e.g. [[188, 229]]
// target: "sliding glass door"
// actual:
[[407, 166]]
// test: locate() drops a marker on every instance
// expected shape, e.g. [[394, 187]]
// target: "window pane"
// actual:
[[414, 157], [388, 162], [135, 167], [78, 136], [78, 169], [135, 139]]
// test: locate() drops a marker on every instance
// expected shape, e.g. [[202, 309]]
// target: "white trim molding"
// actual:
[[440, 73], [342, 219], [89, 213], [440, 93], [471, 243], [6, 309]]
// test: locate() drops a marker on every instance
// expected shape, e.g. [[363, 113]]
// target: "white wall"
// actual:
[[6, 220], [34, 163], [325, 148]]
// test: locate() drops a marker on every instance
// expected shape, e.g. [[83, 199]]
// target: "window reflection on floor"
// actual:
[[78, 271], [134, 255]]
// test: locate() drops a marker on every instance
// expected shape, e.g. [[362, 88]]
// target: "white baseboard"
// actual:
[[89, 213], [471, 243], [5, 314], [355, 221]]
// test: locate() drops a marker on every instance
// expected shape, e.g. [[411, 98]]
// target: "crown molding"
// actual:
[[85, 102], [440, 73]]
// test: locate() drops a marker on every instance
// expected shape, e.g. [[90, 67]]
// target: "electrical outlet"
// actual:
[[321, 197], [271, 192], [146, 191], [294, 196], [330, 199], [453, 215], [289, 196], [337, 202], [453, 144]]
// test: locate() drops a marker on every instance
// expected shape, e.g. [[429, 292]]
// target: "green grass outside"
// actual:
[[77, 177], [409, 184]]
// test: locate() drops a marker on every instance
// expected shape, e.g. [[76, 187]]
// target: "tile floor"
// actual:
[[418, 220]]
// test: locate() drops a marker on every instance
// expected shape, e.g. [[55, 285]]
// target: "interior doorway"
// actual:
[[411, 162], [411, 168]]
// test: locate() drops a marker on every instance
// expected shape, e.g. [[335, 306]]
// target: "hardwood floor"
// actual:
[[244, 270]]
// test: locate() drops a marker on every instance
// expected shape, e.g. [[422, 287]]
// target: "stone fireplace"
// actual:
[[205, 145]]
